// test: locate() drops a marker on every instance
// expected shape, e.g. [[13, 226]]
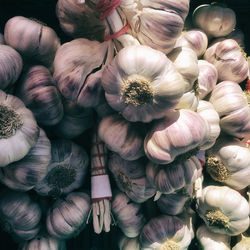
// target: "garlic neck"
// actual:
[[10, 122], [217, 218]]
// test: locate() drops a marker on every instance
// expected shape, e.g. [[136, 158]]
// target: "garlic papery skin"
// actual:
[[68, 216], [206, 110], [228, 59], [126, 243], [79, 77], [189, 100], [40, 94], [24, 174], [122, 136], [43, 242], [32, 39], [67, 169], [165, 232], [142, 83], [224, 210], [157, 24], [231, 104], [207, 79], [128, 215], [18, 129], [11, 66], [228, 161], [209, 240], [194, 39], [19, 215], [243, 242], [214, 19], [176, 134], [130, 177]]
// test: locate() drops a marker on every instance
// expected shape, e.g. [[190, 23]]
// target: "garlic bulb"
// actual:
[[68, 216], [32, 39], [126, 243], [207, 111], [19, 215], [11, 66], [224, 210], [79, 77], [142, 83], [209, 240], [122, 137], [176, 134], [243, 243], [128, 215], [228, 59], [43, 242], [231, 104], [67, 169], [103, 109], [207, 79], [40, 94], [130, 177], [24, 174], [214, 19], [172, 177], [194, 39], [165, 232], [18, 129], [75, 120], [228, 161], [157, 24], [80, 19]]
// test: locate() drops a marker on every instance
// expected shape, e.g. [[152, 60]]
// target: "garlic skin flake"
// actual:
[[142, 83], [18, 129], [224, 210]]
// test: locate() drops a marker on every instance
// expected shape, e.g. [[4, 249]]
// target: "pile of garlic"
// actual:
[[141, 122]]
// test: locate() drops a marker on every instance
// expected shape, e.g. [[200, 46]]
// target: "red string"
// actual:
[[106, 8], [248, 85], [118, 33]]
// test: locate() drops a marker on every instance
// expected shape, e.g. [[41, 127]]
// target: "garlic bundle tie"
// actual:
[[106, 8]]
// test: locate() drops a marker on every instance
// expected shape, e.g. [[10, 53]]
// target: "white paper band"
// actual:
[[100, 187]]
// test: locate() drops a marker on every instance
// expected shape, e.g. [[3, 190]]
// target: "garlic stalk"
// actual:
[[100, 186]]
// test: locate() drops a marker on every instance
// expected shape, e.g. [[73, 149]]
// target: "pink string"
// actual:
[[118, 33], [106, 8]]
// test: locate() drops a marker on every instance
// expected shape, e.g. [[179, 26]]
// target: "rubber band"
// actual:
[[118, 33], [106, 8]]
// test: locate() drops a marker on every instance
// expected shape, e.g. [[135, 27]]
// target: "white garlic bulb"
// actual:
[[32, 39], [24, 174], [228, 59], [68, 216], [19, 215], [224, 210], [142, 83], [231, 104], [209, 240], [11, 66], [126, 243], [67, 169], [122, 136], [243, 242], [18, 129]]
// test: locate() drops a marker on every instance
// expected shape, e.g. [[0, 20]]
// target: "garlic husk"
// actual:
[[128, 214], [209, 240], [122, 136], [228, 59], [142, 83], [243, 242], [75, 120], [24, 174], [231, 104], [207, 79], [79, 77], [80, 19], [40, 94], [32, 39], [228, 162], [157, 24], [18, 129], [11, 66], [223, 209], [67, 217], [206, 110], [176, 134], [165, 231], [130, 177], [67, 169], [126, 243], [19, 215]]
